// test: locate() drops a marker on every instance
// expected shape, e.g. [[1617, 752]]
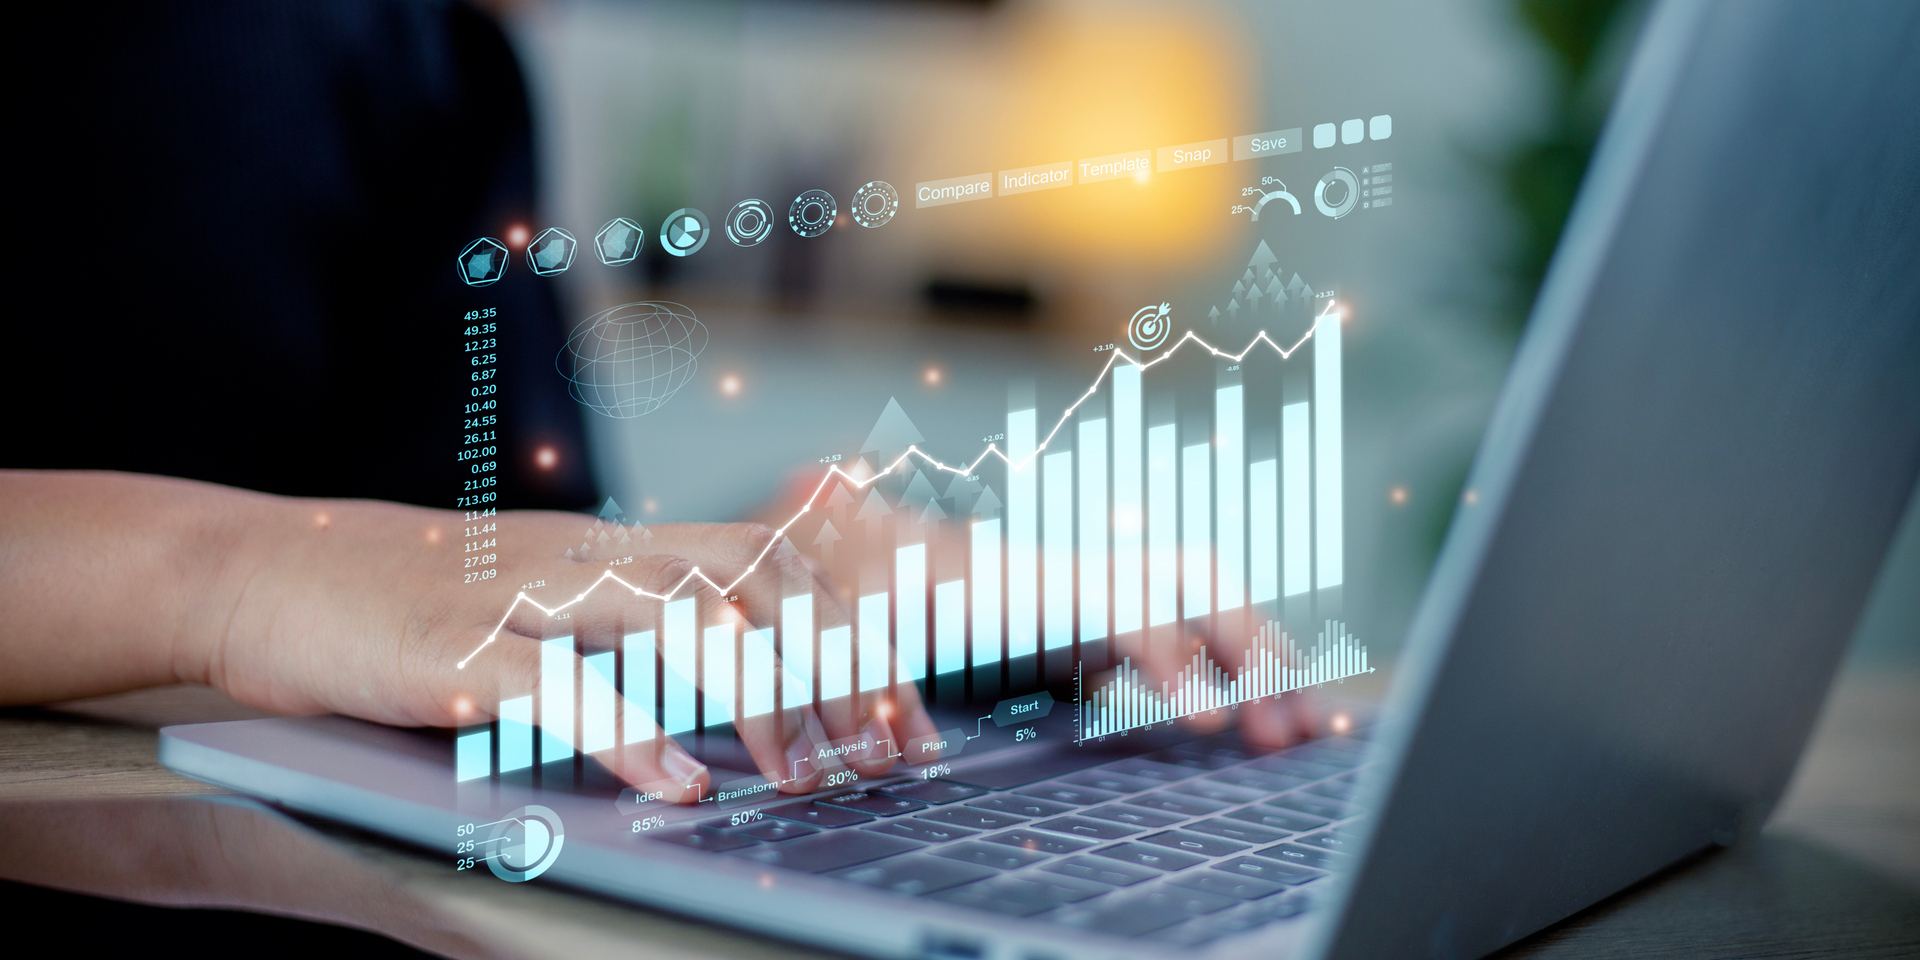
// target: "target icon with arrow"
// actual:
[[1149, 327]]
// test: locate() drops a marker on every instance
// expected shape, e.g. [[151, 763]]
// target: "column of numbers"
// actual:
[[478, 457]]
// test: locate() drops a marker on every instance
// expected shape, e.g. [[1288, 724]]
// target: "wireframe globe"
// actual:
[[630, 360]]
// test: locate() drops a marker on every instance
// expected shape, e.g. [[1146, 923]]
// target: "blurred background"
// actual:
[[642, 108]]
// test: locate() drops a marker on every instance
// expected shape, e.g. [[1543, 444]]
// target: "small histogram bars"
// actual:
[[1276, 664]]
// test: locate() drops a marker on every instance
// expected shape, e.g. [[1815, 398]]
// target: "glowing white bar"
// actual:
[[1163, 546], [1296, 499], [1327, 480], [1229, 429], [836, 661], [950, 626], [1263, 515], [986, 591], [717, 676], [874, 660], [1058, 547], [681, 635], [639, 687], [796, 649], [472, 755], [756, 672], [1093, 529], [910, 626], [1023, 562], [1127, 502], [516, 734], [1197, 491], [596, 703], [556, 699]]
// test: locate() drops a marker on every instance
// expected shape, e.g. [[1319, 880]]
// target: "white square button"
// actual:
[[1380, 127], [1323, 136], [1353, 131]]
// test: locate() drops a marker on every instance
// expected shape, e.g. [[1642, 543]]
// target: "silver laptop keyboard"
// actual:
[[1185, 845]]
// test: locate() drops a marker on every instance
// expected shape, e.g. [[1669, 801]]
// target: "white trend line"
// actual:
[[968, 470]]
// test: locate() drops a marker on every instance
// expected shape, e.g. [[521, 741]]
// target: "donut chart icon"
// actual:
[[525, 843], [812, 213], [684, 232], [875, 203], [749, 222], [1337, 192]]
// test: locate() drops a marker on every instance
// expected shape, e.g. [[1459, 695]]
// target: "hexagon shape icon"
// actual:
[[619, 241], [551, 252], [484, 261]]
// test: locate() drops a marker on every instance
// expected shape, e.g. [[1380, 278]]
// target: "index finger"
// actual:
[[785, 594]]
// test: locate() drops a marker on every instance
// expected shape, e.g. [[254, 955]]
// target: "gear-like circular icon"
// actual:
[[525, 843], [749, 222], [875, 203], [1150, 325], [1337, 192], [812, 213]]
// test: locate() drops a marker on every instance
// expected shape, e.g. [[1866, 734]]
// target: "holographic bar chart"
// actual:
[[1162, 501], [1276, 663]]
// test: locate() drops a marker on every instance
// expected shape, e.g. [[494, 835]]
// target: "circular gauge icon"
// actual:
[[875, 203], [1336, 192], [749, 222], [524, 844], [684, 232], [812, 213]]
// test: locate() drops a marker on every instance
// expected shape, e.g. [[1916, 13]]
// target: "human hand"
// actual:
[[364, 612], [306, 606]]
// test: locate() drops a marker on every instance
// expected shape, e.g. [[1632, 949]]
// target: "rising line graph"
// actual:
[[696, 576]]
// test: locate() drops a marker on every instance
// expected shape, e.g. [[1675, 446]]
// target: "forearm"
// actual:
[[117, 581]]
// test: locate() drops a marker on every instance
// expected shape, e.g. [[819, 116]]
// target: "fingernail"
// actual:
[[681, 766], [798, 751]]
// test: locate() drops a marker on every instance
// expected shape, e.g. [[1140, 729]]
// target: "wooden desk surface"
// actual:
[[1835, 872]]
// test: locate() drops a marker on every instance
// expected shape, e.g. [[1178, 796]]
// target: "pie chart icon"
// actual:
[[684, 232]]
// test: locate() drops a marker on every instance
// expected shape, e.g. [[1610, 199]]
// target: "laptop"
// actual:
[[1688, 482]]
